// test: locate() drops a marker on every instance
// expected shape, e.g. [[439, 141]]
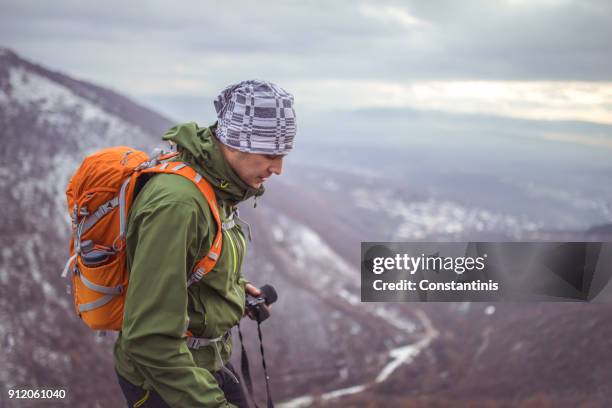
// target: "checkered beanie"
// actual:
[[256, 117]]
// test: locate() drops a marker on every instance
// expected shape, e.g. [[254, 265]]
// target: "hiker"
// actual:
[[171, 227]]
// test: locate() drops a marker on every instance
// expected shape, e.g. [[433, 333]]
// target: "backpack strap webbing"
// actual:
[[207, 263]]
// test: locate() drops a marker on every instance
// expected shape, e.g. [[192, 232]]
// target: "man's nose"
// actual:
[[277, 166]]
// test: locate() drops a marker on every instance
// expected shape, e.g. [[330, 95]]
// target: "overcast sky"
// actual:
[[548, 59]]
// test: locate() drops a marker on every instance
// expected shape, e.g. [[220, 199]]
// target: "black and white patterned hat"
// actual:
[[256, 117]]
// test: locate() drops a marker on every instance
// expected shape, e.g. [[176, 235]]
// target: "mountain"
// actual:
[[323, 346], [49, 121]]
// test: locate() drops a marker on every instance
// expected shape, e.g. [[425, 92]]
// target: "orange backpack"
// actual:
[[100, 194]]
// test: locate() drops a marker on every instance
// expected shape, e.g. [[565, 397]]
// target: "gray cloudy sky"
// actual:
[[549, 59]]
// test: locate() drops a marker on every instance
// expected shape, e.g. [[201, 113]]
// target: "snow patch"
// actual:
[[311, 253], [297, 402], [277, 233], [401, 355], [59, 107], [349, 297], [420, 219], [342, 392], [392, 317], [406, 354]]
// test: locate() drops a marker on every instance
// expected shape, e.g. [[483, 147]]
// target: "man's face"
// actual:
[[253, 168]]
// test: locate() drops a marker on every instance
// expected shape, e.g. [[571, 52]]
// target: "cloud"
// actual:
[[498, 56], [602, 141], [444, 39], [392, 14], [584, 101]]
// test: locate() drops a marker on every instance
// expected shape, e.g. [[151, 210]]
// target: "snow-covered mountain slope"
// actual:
[[48, 123], [334, 348]]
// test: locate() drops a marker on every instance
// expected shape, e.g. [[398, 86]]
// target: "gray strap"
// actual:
[[77, 236], [163, 166], [229, 221], [199, 342], [223, 367], [228, 371], [198, 178], [228, 224], [117, 290], [122, 207], [195, 277], [180, 166], [86, 307], [99, 213], [68, 265], [245, 223]]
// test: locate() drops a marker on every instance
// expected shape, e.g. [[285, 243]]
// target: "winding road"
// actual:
[[397, 357]]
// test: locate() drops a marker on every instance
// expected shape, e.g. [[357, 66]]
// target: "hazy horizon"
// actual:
[[545, 59]]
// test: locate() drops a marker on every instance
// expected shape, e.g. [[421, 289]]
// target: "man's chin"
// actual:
[[256, 183]]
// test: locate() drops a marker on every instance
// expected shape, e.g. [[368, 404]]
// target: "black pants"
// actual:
[[135, 396]]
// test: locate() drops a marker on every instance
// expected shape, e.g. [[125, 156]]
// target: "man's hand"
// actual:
[[253, 291]]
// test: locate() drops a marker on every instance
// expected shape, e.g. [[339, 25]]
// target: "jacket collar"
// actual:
[[200, 149]]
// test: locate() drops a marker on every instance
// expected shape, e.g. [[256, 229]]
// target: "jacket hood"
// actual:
[[199, 148]]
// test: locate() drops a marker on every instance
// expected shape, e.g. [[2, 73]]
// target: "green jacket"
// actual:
[[170, 228]]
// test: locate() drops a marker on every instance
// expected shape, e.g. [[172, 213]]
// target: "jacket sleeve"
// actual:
[[165, 241]]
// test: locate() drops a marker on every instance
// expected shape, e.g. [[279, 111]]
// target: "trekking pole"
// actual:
[[263, 360], [258, 309]]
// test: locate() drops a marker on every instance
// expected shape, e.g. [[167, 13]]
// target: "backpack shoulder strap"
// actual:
[[207, 263]]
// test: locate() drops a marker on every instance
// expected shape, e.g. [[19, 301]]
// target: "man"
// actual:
[[171, 227]]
